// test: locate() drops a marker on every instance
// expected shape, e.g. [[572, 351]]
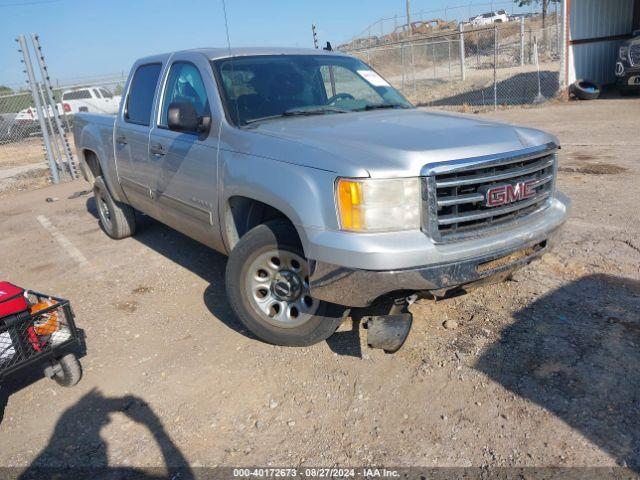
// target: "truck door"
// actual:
[[136, 172], [186, 183]]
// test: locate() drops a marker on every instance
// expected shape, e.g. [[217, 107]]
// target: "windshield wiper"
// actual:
[[298, 111], [261, 119], [313, 111], [378, 106]]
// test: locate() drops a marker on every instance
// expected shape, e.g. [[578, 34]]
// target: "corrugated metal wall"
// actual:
[[592, 19]]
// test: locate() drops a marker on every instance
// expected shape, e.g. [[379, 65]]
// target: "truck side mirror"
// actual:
[[183, 117]]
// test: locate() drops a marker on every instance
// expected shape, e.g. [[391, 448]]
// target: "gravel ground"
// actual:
[[540, 371]]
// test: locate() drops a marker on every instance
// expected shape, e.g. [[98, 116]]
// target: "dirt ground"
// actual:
[[539, 371]]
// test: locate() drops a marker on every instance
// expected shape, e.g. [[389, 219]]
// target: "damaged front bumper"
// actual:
[[359, 288]]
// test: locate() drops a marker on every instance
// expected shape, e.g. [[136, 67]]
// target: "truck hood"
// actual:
[[389, 143]]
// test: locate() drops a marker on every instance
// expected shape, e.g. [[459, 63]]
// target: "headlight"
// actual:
[[623, 53], [372, 205]]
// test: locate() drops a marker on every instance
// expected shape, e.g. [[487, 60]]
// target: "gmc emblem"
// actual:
[[497, 195]]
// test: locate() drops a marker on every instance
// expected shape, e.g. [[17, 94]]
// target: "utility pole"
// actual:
[[409, 16], [315, 36]]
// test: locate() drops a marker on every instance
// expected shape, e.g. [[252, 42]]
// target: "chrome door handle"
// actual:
[[157, 150]]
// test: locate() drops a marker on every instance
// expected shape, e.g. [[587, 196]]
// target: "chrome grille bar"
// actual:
[[460, 199], [634, 55], [487, 178], [467, 217]]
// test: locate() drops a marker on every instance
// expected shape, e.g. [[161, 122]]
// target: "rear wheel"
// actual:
[[267, 281], [69, 372], [117, 219]]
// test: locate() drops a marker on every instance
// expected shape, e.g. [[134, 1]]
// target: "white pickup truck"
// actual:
[[90, 99]]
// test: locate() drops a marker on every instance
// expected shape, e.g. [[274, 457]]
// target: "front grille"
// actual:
[[457, 209], [634, 54]]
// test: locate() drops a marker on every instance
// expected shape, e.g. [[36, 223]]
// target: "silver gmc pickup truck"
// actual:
[[325, 187]]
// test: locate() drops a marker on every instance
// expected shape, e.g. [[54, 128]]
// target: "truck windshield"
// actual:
[[260, 88]]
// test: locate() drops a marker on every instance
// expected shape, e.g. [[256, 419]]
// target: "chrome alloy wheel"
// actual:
[[103, 209], [277, 285]]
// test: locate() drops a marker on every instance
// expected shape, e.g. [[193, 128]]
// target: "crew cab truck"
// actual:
[[325, 187]]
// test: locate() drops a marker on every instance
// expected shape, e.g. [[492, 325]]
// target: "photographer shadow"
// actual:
[[576, 353], [76, 449]]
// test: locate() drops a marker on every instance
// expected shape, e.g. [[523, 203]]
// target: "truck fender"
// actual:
[[302, 194], [92, 143]]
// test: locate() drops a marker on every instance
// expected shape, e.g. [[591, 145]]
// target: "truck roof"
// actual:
[[217, 53]]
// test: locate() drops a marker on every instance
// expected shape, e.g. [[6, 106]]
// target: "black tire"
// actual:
[[585, 90], [280, 236], [70, 371], [117, 219]]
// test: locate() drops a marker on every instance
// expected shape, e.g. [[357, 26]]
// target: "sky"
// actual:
[[91, 38]]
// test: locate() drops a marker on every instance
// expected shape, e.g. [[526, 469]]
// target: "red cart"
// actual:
[[38, 331]]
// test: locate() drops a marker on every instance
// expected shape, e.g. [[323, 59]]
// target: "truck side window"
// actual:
[[106, 93], [184, 84], [76, 95], [140, 99]]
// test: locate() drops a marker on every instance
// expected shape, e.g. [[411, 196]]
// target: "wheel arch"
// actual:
[[242, 213], [92, 167]]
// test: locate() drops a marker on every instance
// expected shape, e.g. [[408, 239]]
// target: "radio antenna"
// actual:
[[226, 25], [235, 101]]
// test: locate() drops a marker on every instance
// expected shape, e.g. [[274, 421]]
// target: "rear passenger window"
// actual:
[[76, 95], [141, 92]]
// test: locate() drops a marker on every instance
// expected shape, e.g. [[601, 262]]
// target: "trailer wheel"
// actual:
[[268, 288], [117, 219], [70, 371]]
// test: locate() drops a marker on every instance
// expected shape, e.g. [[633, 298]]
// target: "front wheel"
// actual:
[[267, 281]]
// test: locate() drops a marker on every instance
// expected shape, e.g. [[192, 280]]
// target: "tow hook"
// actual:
[[390, 331]]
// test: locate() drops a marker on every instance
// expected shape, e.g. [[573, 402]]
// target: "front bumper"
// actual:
[[357, 287], [630, 78]]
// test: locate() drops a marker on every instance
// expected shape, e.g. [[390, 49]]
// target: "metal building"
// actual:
[[593, 31]]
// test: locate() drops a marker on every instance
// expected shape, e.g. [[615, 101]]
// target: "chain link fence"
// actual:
[[21, 142], [511, 63]]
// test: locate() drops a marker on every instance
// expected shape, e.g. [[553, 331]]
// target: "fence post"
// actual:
[[462, 73], [33, 86], [52, 133], [495, 68], [449, 46], [54, 106], [433, 57], [413, 69], [522, 42], [403, 66]]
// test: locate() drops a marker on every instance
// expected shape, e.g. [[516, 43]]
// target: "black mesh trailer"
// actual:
[[42, 335]]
